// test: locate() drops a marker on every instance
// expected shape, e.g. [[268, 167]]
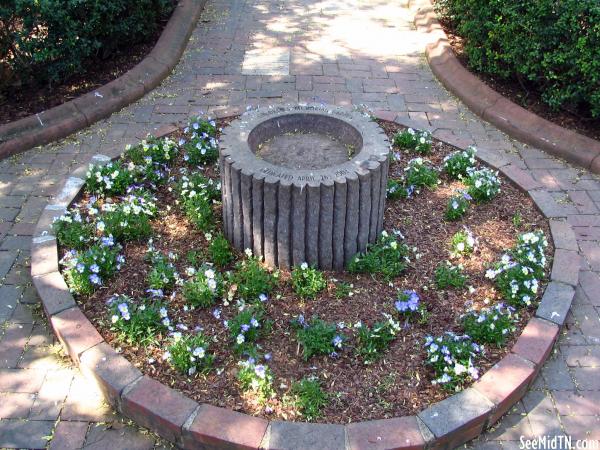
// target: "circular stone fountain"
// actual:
[[303, 184]]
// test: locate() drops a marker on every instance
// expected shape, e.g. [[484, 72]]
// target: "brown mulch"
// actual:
[[526, 95], [22, 101], [397, 384]]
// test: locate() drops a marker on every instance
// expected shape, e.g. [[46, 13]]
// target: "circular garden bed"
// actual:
[[424, 312], [421, 314]]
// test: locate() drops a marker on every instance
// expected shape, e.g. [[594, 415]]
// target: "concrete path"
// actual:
[[249, 52]]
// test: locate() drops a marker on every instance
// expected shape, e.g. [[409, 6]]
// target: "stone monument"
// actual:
[[303, 183]]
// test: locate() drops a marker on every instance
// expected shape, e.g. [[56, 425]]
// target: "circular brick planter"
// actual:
[[446, 424], [60, 121], [303, 184], [496, 109]]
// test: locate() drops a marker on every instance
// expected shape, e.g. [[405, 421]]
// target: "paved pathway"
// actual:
[[249, 52]]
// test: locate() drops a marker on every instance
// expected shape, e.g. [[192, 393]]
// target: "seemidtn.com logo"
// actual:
[[558, 442]]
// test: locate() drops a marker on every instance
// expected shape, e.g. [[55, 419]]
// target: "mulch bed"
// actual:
[[526, 95], [397, 384], [22, 101]]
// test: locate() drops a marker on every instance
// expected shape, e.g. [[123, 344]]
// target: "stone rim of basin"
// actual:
[[236, 145]]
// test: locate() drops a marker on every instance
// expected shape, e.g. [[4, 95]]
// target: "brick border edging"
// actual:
[[495, 108], [67, 118], [446, 424]]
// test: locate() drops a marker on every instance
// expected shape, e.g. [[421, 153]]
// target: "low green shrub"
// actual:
[[110, 179], [462, 243], [387, 257], [318, 337], [372, 342], [203, 288], [128, 220], [549, 46], [247, 326], [219, 250], [48, 41], [308, 398], [452, 358], [415, 140], [72, 231], [189, 353], [163, 274], [201, 146], [418, 173], [458, 164], [307, 281], [137, 322], [448, 275], [256, 379], [252, 279], [87, 270], [458, 205], [483, 184], [490, 325]]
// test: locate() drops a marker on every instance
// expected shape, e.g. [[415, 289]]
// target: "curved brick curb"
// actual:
[[62, 120], [496, 109], [165, 411]]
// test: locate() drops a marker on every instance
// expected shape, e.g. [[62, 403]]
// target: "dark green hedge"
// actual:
[[50, 40], [553, 45]]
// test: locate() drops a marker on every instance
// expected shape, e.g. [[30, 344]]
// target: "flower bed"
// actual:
[[383, 339]]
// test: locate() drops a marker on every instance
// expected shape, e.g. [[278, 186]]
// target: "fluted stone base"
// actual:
[[303, 184]]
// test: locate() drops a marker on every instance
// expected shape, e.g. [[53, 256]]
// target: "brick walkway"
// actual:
[[304, 50]]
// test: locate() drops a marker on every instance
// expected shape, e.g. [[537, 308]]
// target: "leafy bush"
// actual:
[[318, 337], [256, 379], [219, 250], [458, 164], [387, 257], [252, 279], [203, 288], [128, 220], [452, 359], [72, 231], [552, 46], [308, 398], [419, 174], [483, 184], [87, 270], [447, 275], [416, 140], [137, 322], [152, 158], [189, 353], [530, 249], [201, 147], [409, 304], [462, 243], [396, 189], [343, 289], [197, 183], [373, 341], [458, 205], [50, 40], [307, 281], [110, 179], [516, 282], [245, 328], [152, 150], [517, 274], [490, 325], [196, 195], [163, 274]]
